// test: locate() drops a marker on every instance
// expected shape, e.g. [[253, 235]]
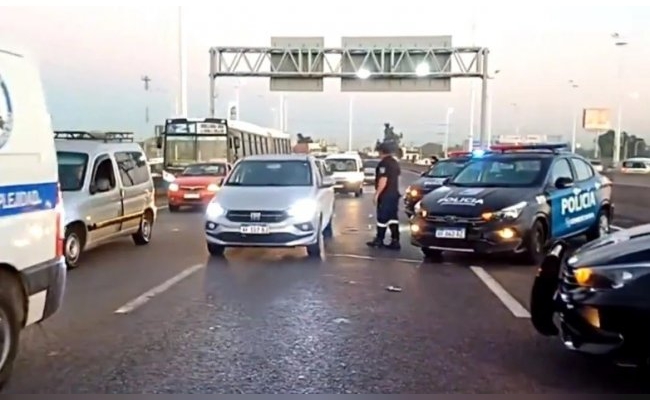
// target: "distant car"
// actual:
[[272, 201], [515, 199], [369, 171], [432, 179], [196, 185], [637, 165], [597, 164], [597, 298], [347, 170]]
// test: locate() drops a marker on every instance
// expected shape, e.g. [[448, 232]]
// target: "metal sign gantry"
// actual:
[[363, 64]]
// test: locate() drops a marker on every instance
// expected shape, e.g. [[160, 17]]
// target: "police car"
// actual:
[[433, 179], [514, 199]]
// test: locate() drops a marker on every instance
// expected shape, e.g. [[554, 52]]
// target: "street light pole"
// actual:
[[620, 44], [574, 119], [450, 111], [516, 107], [350, 121], [490, 99]]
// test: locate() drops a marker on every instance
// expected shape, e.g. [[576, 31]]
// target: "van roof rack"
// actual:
[[106, 137]]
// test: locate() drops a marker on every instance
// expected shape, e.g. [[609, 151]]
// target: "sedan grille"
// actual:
[[256, 216]]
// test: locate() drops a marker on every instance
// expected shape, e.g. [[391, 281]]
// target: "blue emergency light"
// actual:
[[478, 153]]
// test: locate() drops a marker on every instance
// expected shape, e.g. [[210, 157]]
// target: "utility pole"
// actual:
[[146, 81]]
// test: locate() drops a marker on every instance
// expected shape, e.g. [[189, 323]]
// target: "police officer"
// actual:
[[387, 198]]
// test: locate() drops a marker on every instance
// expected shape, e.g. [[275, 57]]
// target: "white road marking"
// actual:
[[616, 228], [163, 207], [148, 295], [506, 298]]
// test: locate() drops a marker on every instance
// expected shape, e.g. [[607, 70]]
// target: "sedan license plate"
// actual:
[[254, 230], [450, 233], [192, 196]]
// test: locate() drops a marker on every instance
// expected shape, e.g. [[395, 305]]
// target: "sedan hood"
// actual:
[[261, 198], [428, 184], [618, 247], [471, 202], [198, 180]]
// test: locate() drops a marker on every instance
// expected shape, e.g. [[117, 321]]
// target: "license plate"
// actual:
[[338, 186], [254, 230], [192, 196], [450, 233]]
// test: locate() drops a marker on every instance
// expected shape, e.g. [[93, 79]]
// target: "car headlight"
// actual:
[[173, 187], [512, 212], [303, 210], [412, 192], [213, 187], [354, 178], [609, 277], [214, 210]]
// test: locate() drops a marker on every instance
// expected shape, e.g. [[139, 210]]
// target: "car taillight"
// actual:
[[60, 234]]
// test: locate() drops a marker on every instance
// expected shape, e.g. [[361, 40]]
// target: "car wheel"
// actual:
[[11, 317], [143, 235], [601, 228], [216, 250], [535, 244], [174, 208], [73, 245], [316, 250], [359, 192], [431, 254]]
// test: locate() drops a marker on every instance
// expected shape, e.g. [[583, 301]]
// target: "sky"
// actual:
[[92, 60]]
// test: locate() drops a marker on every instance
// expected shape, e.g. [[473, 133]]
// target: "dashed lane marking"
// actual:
[[148, 295], [506, 298]]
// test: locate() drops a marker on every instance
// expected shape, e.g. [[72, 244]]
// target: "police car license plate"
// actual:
[[254, 230], [450, 233], [192, 196]]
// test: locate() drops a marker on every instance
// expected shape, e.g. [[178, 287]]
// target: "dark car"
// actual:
[[431, 180], [514, 200], [369, 170], [601, 294]]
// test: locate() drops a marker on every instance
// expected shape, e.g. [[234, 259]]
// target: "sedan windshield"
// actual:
[[72, 170], [444, 169], [506, 172], [271, 173], [205, 170]]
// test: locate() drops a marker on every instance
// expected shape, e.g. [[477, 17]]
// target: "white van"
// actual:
[[32, 268], [347, 170]]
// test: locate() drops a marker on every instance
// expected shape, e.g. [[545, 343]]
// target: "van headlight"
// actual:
[[303, 210], [354, 178], [214, 210]]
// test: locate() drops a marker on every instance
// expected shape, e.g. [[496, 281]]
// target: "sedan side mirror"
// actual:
[[563, 183]]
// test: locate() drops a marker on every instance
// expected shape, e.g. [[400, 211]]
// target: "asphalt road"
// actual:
[[272, 322]]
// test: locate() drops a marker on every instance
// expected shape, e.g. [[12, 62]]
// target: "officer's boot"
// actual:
[[378, 241], [394, 237]]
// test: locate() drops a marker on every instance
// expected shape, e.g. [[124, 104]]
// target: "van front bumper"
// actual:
[[50, 276]]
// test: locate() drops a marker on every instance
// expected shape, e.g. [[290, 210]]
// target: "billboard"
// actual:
[[596, 119]]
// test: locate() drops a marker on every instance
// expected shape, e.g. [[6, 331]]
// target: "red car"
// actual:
[[196, 185]]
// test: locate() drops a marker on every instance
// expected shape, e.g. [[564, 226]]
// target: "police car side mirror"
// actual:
[[423, 173], [563, 183], [446, 181]]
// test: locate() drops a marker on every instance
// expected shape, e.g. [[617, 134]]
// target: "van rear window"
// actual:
[[72, 170]]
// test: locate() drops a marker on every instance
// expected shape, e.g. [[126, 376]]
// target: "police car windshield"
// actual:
[[342, 165], [501, 172], [205, 170], [271, 173], [446, 168], [72, 170]]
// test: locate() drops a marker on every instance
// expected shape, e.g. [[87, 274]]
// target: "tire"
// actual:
[[143, 236], [315, 250], [328, 232], [216, 250], [359, 192], [535, 242], [73, 245], [602, 226], [11, 322], [174, 208], [431, 254]]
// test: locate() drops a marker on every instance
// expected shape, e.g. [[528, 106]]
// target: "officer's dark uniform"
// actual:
[[387, 203]]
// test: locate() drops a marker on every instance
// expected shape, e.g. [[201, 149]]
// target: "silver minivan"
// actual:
[[107, 190]]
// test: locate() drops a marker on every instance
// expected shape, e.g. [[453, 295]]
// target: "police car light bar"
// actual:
[[98, 136], [553, 147], [453, 154]]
